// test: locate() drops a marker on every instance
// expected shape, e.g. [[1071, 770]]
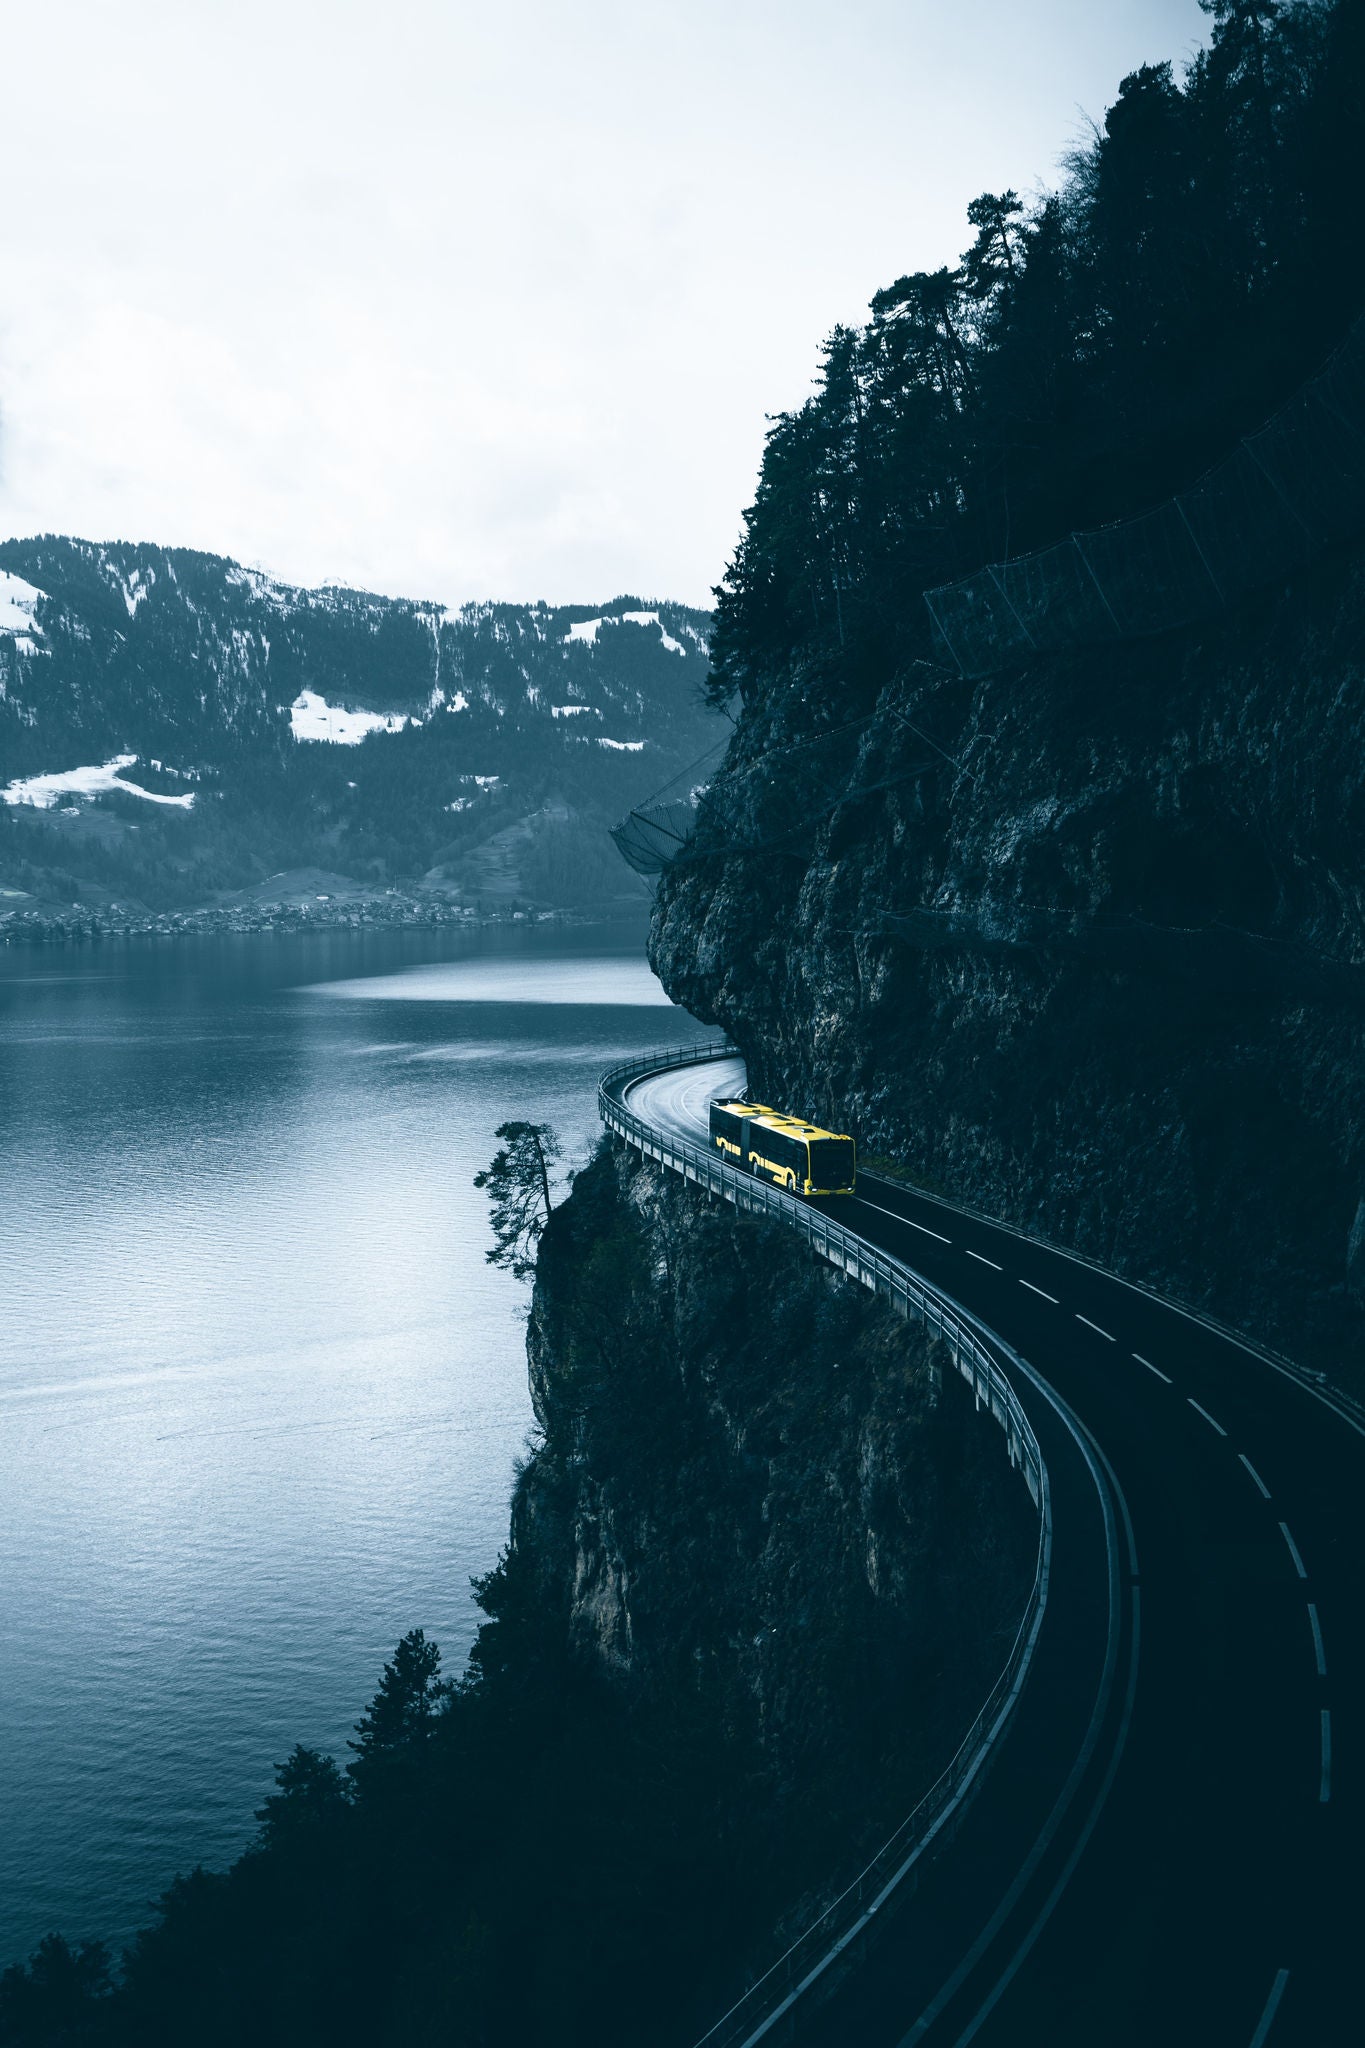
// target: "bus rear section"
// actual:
[[729, 1128]]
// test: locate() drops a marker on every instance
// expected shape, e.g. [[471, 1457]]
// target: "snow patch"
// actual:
[[623, 746], [572, 710], [43, 791], [652, 619], [312, 718], [18, 603], [458, 702], [587, 629]]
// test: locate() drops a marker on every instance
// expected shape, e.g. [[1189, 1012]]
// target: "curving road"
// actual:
[[1169, 1848]]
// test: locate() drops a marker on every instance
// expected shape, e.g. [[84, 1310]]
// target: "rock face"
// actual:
[[757, 1493], [1082, 945]]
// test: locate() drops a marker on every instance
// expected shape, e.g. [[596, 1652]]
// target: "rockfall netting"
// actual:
[[654, 835], [1288, 491]]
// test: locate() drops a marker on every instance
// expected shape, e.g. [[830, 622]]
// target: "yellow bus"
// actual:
[[786, 1150]]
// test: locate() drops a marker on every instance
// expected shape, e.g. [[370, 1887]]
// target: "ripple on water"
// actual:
[[262, 1393]]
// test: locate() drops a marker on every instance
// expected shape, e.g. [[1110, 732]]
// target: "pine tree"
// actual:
[[311, 1791], [518, 1184], [403, 1712]]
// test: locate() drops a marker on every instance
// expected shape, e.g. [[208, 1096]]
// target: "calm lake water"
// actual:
[[260, 1394]]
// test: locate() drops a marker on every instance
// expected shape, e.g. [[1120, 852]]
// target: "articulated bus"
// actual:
[[793, 1154]]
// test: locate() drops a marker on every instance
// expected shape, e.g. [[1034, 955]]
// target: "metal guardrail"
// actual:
[[760, 2012], [907, 1293]]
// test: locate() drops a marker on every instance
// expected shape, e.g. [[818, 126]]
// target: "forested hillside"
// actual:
[[1093, 351], [487, 749], [1079, 938]]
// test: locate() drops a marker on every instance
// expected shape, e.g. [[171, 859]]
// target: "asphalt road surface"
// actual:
[[1169, 1849]]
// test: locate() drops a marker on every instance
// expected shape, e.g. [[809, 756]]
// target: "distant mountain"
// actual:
[[174, 726]]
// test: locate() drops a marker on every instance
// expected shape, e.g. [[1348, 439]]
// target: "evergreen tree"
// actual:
[[403, 1712], [58, 1998], [518, 1184], [311, 1792], [997, 256], [1091, 354]]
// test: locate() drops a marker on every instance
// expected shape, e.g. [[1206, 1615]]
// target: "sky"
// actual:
[[464, 301]]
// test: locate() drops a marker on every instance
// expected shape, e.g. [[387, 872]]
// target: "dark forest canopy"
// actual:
[[1095, 348]]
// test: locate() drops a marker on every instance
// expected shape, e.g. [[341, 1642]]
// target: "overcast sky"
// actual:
[[459, 300]]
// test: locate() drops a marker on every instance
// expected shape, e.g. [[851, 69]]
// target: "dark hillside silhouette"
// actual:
[[1093, 352]]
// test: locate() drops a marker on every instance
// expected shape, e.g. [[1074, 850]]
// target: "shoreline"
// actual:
[[84, 924]]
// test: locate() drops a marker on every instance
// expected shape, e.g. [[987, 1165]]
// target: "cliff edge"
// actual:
[[1082, 945]]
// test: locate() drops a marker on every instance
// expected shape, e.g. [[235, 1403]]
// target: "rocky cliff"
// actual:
[[1082, 945], [758, 1493]]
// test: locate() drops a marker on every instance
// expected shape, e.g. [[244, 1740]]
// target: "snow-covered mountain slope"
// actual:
[[378, 735]]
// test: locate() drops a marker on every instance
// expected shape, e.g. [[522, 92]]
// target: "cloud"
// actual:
[[468, 302]]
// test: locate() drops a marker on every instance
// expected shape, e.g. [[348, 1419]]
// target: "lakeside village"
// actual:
[[29, 920]]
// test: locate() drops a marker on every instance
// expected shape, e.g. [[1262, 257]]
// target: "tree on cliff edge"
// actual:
[[403, 1712], [518, 1184]]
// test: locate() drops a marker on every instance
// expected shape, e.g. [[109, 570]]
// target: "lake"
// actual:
[[260, 1392]]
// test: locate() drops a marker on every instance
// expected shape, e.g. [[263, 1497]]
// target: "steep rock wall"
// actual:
[[758, 1492], [1089, 953]]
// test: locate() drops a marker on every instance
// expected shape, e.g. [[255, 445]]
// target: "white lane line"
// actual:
[[1265, 1490], [898, 1218], [1190, 1315], [1269, 2010], [1325, 1782], [1153, 1368], [1205, 1413], [1040, 1290], [1095, 1327], [1299, 1565], [981, 1259], [1318, 1651]]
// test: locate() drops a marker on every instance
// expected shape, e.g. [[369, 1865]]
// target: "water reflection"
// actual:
[[260, 1391]]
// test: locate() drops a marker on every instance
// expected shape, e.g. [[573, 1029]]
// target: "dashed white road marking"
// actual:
[[1325, 1781], [981, 1259], [1095, 1327], [1040, 1290], [1318, 1651], [896, 1217], [1269, 2010], [1205, 1413], [1154, 1368], [1299, 1565], [1256, 1477]]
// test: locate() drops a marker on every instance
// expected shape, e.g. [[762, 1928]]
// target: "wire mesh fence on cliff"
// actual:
[[651, 838], [1286, 493], [660, 831]]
